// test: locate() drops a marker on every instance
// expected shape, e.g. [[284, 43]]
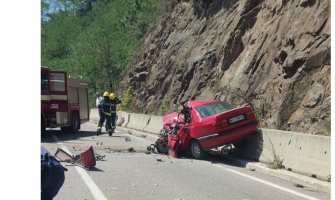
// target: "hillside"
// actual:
[[272, 54]]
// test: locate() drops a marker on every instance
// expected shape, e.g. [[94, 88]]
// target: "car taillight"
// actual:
[[250, 113]]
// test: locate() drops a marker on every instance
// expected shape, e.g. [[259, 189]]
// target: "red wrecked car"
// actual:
[[203, 125]]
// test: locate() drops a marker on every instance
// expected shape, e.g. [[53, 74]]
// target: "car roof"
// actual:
[[193, 104]]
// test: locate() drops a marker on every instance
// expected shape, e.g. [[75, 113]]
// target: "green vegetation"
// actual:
[[165, 107], [95, 39], [325, 129], [126, 98]]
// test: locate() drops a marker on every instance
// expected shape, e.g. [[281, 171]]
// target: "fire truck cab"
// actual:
[[64, 101]]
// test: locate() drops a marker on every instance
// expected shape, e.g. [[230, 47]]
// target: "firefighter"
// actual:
[[114, 102], [105, 106], [97, 103]]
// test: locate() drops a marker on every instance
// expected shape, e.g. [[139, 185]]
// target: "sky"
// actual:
[[52, 6]]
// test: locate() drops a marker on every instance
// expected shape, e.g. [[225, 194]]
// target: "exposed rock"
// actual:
[[305, 3], [140, 67], [272, 54], [139, 77], [314, 96]]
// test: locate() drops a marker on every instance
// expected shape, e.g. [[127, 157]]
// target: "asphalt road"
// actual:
[[127, 174]]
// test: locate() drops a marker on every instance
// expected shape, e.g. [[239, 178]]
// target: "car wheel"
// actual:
[[162, 147], [196, 150]]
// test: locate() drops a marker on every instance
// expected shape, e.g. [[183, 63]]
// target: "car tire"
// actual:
[[162, 147], [196, 150]]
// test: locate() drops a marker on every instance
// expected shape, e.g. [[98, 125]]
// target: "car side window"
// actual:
[[203, 111]]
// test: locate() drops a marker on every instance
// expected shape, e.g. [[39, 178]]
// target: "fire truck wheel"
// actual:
[[196, 150], [75, 122]]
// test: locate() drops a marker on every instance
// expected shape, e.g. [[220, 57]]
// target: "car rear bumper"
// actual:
[[226, 137]]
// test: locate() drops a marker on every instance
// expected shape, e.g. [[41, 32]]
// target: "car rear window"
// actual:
[[213, 108]]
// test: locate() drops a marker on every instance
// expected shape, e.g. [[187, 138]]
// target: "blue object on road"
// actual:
[[52, 175]]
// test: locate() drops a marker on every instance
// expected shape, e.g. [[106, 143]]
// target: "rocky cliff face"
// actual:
[[273, 54]]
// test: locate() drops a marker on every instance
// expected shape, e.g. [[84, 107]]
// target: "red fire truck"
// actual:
[[64, 101]]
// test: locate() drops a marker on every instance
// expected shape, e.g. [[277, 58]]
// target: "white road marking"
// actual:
[[266, 182], [94, 189]]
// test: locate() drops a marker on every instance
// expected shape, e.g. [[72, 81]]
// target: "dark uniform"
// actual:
[[105, 106], [114, 102]]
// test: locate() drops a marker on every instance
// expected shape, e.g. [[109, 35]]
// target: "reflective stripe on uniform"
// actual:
[[106, 113], [104, 103]]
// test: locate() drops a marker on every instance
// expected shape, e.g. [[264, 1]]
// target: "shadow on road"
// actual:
[[96, 169], [227, 159], [47, 135], [217, 158]]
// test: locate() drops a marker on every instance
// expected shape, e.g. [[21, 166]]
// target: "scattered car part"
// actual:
[[86, 159]]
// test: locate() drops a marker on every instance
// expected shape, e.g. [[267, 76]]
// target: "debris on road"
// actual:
[[127, 139], [159, 160], [252, 169], [100, 157], [151, 148], [298, 185], [85, 159], [131, 149]]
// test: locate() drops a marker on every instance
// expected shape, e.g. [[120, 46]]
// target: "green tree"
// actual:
[[95, 39]]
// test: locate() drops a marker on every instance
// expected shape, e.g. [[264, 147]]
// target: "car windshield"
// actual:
[[213, 108]]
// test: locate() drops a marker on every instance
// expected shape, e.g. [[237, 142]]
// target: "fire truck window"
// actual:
[[57, 82], [44, 80]]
